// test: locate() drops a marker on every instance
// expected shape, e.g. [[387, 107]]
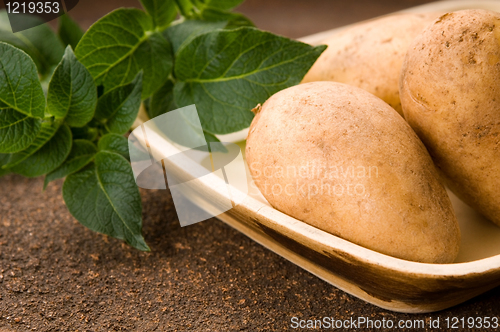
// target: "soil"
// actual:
[[56, 275]]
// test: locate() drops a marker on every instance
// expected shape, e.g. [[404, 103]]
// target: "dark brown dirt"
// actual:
[[56, 275]]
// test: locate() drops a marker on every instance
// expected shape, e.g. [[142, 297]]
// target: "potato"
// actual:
[[370, 55], [450, 90], [342, 160]]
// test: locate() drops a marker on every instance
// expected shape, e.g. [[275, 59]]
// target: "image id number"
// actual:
[[33, 7], [472, 322]]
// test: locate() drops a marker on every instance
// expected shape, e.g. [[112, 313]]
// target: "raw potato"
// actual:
[[450, 89], [309, 142], [370, 55]]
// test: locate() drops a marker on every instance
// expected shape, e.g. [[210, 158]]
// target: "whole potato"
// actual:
[[370, 55], [450, 91], [342, 160]]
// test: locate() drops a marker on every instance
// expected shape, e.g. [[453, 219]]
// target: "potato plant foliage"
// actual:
[[68, 97]]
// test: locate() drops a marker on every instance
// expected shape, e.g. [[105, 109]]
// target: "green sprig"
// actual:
[[63, 114]]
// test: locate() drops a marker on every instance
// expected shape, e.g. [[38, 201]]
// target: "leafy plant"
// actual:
[[67, 99]]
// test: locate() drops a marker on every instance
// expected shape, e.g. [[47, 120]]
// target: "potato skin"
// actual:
[[450, 90], [370, 55], [317, 128]]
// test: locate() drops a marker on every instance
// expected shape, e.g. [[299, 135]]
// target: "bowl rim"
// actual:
[[301, 229], [213, 184]]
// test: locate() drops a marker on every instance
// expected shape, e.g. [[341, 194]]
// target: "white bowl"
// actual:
[[385, 281]]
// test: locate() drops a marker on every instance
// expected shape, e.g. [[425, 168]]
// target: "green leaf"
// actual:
[[105, 198], [40, 42], [162, 101], [226, 73], [114, 143], [186, 31], [120, 45], [49, 157], [17, 131], [47, 131], [119, 107], [4, 159], [211, 138], [72, 93], [184, 128], [212, 19], [82, 153], [234, 20], [187, 8], [163, 12], [45, 81], [69, 31], [86, 132], [20, 88]]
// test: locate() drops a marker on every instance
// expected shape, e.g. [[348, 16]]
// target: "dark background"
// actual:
[[56, 275], [291, 18]]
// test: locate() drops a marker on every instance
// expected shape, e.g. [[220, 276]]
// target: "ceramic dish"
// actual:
[[382, 280]]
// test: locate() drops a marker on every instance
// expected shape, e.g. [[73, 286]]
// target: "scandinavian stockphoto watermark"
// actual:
[[25, 15], [361, 322], [207, 177], [312, 179], [185, 162]]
